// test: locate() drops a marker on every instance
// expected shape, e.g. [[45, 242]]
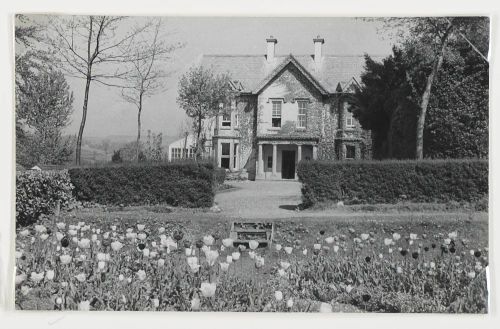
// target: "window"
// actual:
[[226, 120], [270, 162], [175, 153], [302, 117], [236, 120], [224, 157], [350, 152], [276, 114], [349, 119], [235, 155]]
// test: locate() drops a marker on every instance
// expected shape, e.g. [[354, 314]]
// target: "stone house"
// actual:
[[287, 109]]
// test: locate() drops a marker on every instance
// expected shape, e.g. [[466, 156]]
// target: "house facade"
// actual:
[[287, 109]]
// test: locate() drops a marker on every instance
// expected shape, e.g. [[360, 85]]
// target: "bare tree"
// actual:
[[91, 48], [147, 74]]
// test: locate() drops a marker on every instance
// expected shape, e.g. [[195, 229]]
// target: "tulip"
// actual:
[[253, 244], [50, 275], [365, 236], [387, 241], [399, 270], [65, 259], [84, 243], [304, 252], [229, 259], [325, 308], [40, 229], [329, 240], [413, 236], [453, 235], [259, 261], [227, 242], [317, 246], [94, 237], [142, 236], [61, 225], [121, 277], [116, 245], [335, 248], [156, 302], [101, 265], [396, 236], [161, 262], [281, 272], [20, 278], [208, 240], [278, 295], [140, 227], [59, 236], [59, 300], [24, 233], [211, 256], [193, 264], [81, 277], [44, 236], [146, 252], [195, 304], [141, 275], [25, 290], [208, 289], [285, 265], [224, 266], [288, 250], [188, 251], [277, 247], [348, 289], [236, 255], [289, 303], [84, 305], [37, 277], [471, 275]]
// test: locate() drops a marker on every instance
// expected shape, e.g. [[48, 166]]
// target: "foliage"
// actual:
[[44, 108], [392, 181], [157, 265], [220, 176], [37, 193], [185, 184], [116, 157], [200, 94]]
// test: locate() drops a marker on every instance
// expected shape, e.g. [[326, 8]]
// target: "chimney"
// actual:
[[318, 51], [271, 44]]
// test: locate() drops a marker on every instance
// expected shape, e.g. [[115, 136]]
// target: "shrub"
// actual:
[[37, 193], [220, 176], [183, 183], [393, 181]]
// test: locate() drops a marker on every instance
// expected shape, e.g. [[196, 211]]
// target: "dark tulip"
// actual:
[[141, 246], [216, 236], [414, 255], [322, 232], [404, 252], [316, 252], [23, 257], [477, 253], [178, 236], [426, 248], [199, 244], [64, 242], [106, 243], [433, 246], [187, 244], [444, 249], [366, 297], [368, 259], [452, 249], [48, 231]]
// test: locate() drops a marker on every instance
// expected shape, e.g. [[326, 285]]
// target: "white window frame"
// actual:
[[275, 114], [349, 117], [302, 116], [226, 120], [225, 156]]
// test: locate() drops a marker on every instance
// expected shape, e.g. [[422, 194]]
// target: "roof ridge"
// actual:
[[295, 55]]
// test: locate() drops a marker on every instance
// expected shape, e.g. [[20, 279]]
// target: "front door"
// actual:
[[288, 164]]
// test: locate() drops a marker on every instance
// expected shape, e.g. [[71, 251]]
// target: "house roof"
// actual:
[[250, 72]]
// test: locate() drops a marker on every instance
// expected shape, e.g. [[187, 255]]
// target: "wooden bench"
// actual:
[[244, 232]]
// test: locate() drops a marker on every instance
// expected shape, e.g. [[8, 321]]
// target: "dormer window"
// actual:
[[276, 114], [302, 116]]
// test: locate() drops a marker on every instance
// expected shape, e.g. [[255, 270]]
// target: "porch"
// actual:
[[277, 160]]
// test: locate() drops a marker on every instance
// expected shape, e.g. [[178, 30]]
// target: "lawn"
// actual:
[[361, 261]]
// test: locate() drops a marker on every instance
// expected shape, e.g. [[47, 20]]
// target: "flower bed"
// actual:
[[161, 265]]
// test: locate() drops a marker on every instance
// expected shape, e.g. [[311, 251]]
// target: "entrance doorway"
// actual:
[[288, 164]]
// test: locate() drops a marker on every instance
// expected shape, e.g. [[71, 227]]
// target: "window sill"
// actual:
[[274, 128], [301, 128], [225, 128]]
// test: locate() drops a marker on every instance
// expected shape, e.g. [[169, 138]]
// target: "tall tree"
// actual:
[[433, 34], [147, 74], [92, 48], [201, 93]]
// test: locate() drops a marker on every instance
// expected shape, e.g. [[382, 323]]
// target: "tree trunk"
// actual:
[[82, 123], [427, 94], [138, 145], [198, 139]]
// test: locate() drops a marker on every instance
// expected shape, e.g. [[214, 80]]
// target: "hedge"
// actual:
[[185, 184], [438, 181], [37, 193]]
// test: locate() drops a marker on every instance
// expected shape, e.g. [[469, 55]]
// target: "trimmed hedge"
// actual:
[[37, 193], [220, 176], [393, 181], [185, 184]]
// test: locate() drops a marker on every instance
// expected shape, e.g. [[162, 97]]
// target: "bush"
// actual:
[[183, 183], [220, 176], [37, 193], [393, 181]]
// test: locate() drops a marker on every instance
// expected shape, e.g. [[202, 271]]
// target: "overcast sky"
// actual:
[[108, 114]]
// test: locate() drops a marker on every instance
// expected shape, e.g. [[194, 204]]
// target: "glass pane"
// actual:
[[224, 163], [225, 148]]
